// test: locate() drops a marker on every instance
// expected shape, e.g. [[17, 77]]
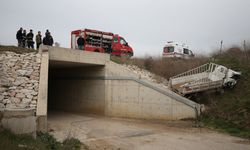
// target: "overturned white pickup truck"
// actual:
[[205, 77]]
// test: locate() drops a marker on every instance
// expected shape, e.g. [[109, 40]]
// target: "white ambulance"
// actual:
[[175, 50]]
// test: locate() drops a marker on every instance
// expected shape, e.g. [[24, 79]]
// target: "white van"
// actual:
[[175, 50]]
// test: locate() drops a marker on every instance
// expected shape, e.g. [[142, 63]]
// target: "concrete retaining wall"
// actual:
[[42, 101], [19, 121], [19, 84], [126, 98], [129, 96]]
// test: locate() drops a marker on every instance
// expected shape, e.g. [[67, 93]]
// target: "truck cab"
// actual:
[[121, 47], [175, 50]]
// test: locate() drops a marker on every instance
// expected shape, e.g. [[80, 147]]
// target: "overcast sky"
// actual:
[[146, 24]]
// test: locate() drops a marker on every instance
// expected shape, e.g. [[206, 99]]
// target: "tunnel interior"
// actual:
[[76, 88]]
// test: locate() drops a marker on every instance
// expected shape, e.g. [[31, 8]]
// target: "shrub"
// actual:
[[71, 144]]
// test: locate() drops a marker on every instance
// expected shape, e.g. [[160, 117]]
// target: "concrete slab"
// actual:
[[19, 121], [129, 96], [64, 57]]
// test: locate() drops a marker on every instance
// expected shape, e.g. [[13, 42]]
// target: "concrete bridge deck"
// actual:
[[64, 57]]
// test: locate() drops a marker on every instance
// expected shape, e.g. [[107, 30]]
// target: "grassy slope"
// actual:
[[230, 111]]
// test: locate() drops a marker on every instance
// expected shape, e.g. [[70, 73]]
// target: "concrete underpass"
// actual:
[[75, 81], [75, 88]]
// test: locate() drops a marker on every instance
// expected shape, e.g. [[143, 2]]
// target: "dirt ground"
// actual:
[[104, 133]]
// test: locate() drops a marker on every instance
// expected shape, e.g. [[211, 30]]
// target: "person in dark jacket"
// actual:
[[80, 42], [24, 36], [30, 41], [47, 32], [48, 40], [38, 39], [19, 36]]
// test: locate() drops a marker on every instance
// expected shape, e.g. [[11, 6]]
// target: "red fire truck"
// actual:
[[103, 42]]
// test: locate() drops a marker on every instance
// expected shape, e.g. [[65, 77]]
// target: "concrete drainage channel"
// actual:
[[86, 82]]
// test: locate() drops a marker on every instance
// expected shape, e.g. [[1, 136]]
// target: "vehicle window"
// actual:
[[185, 51], [116, 40], [122, 41], [169, 49], [190, 52]]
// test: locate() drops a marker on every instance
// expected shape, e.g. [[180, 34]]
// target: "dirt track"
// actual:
[[125, 134]]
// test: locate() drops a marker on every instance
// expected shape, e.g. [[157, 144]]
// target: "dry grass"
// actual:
[[167, 67], [234, 104], [18, 50]]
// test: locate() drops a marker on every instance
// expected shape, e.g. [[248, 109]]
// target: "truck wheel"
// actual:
[[130, 55], [97, 51], [230, 85]]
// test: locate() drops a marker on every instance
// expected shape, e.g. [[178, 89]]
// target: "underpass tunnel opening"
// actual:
[[76, 88]]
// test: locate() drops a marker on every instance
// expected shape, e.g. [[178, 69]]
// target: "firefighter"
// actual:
[[19, 36], [30, 41], [48, 39], [38, 39], [80, 42], [110, 48], [24, 36]]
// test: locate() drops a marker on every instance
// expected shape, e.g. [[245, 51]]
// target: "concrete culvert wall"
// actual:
[[88, 82], [127, 95], [72, 90]]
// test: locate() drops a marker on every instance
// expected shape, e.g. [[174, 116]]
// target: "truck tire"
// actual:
[[230, 85], [129, 54]]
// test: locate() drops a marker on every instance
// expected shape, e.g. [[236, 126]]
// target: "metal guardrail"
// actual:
[[209, 67]]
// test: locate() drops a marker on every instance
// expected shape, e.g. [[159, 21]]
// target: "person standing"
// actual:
[[30, 41], [47, 32], [24, 36], [51, 41], [38, 39], [80, 42], [19, 36], [48, 39]]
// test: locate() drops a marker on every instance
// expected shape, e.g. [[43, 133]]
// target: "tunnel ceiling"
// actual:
[[67, 64]]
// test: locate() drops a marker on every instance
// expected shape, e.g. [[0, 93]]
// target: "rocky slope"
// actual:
[[19, 80], [144, 74]]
